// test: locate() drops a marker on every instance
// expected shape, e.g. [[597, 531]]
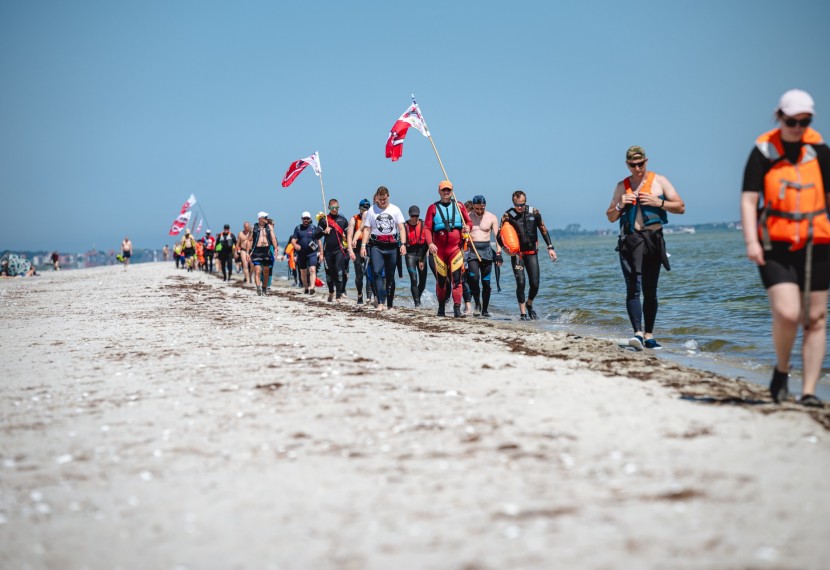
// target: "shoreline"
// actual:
[[166, 417]]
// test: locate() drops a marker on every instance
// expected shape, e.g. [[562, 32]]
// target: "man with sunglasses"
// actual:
[[640, 203], [528, 222], [334, 228], [484, 224], [445, 223], [308, 246], [354, 236], [786, 228]]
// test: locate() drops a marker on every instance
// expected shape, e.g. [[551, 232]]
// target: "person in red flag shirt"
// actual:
[[446, 222], [416, 253]]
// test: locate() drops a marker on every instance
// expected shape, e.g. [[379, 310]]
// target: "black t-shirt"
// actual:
[[332, 242], [758, 165]]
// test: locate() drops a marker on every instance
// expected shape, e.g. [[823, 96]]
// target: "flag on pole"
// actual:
[[180, 223], [412, 117], [199, 227], [189, 204], [298, 166]]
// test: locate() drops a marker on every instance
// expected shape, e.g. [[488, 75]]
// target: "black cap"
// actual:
[[414, 211]]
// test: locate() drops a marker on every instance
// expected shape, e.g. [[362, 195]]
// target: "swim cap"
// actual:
[[365, 204], [479, 199]]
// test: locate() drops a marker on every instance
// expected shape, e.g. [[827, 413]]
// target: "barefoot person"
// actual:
[[484, 225], [309, 251], [382, 229], [244, 245], [264, 242], [225, 244], [640, 203], [789, 237], [126, 252], [445, 222], [528, 222]]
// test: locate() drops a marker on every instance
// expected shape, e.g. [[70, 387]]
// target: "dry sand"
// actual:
[[161, 419]]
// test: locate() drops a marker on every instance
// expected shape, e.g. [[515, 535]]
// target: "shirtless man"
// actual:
[[264, 242], [126, 251], [485, 224], [244, 245]]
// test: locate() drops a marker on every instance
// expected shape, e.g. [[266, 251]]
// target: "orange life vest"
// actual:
[[358, 221], [795, 209]]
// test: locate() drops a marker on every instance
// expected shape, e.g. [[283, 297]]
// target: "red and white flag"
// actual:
[[189, 204], [412, 117], [180, 223], [298, 166], [199, 227]]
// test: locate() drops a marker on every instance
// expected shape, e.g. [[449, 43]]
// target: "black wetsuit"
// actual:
[[527, 223], [334, 252], [416, 253]]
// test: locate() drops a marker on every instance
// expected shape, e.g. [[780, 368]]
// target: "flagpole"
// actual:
[[441, 164], [323, 193]]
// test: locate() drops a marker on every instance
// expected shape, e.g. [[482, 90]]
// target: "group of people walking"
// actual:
[[784, 213]]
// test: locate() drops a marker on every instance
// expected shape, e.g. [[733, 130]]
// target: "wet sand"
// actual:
[[161, 419]]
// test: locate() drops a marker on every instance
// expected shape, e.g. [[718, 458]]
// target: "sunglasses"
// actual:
[[790, 122], [334, 207], [306, 218], [636, 164], [522, 205]]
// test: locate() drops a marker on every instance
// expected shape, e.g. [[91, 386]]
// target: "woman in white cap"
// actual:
[[787, 234]]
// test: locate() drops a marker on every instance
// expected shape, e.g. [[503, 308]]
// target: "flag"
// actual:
[[180, 223], [298, 166], [199, 227], [189, 204], [412, 117]]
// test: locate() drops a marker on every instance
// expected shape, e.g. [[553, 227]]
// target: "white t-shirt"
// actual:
[[384, 221]]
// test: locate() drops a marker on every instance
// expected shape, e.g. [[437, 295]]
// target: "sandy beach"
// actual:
[[160, 419]]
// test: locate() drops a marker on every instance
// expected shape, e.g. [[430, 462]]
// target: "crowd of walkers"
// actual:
[[784, 215]]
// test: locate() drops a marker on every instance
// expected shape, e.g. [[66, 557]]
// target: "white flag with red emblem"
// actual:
[[180, 223], [298, 166], [189, 204], [412, 117]]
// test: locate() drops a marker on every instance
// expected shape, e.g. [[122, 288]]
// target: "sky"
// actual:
[[113, 113]]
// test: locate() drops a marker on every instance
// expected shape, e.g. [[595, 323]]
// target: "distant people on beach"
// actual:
[[484, 225], [527, 222], [639, 203], [209, 248], [787, 235], [416, 254], [309, 251], [354, 235], [243, 248], [334, 227], [225, 246], [264, 244], [126, 252], [445, 223], [383, 227], [56, 261], [165, 253]]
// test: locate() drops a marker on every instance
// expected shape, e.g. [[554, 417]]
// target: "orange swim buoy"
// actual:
[[509, 238], [289, 253]]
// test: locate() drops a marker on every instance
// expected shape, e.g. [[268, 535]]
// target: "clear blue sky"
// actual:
[[114, 112]]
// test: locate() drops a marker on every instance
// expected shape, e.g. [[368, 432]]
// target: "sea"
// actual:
[[713, 311]]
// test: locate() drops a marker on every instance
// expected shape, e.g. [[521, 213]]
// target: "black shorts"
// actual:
[[261, 256], [127, 254], [306, 260], [189, 251], [785, 266]]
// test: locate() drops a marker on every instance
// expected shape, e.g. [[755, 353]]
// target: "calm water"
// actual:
[[713, 311]]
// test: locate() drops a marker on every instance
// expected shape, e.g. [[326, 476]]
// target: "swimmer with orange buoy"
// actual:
[[517, 236]]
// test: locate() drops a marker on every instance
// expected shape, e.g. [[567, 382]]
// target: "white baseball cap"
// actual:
[[794, 102], [262, 215], [306, 215]]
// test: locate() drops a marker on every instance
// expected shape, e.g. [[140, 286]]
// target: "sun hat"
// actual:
[[794, 102], [635, 153], [414, 211], [306, 215], [262, 215]]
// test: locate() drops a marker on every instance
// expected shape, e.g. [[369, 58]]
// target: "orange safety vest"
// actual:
[[358, 220], [795, 209]]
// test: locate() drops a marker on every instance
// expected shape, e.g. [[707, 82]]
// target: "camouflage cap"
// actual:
[[635, 153]]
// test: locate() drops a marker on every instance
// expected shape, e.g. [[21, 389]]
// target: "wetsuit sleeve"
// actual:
[[542, 228], [430, 216]]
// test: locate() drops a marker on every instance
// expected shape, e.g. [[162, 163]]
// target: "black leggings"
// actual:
[[647, 281], [227, 266], [480, 270], [417, 276], [360, 275], [384, 261], [531, 265], [335, 271]]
